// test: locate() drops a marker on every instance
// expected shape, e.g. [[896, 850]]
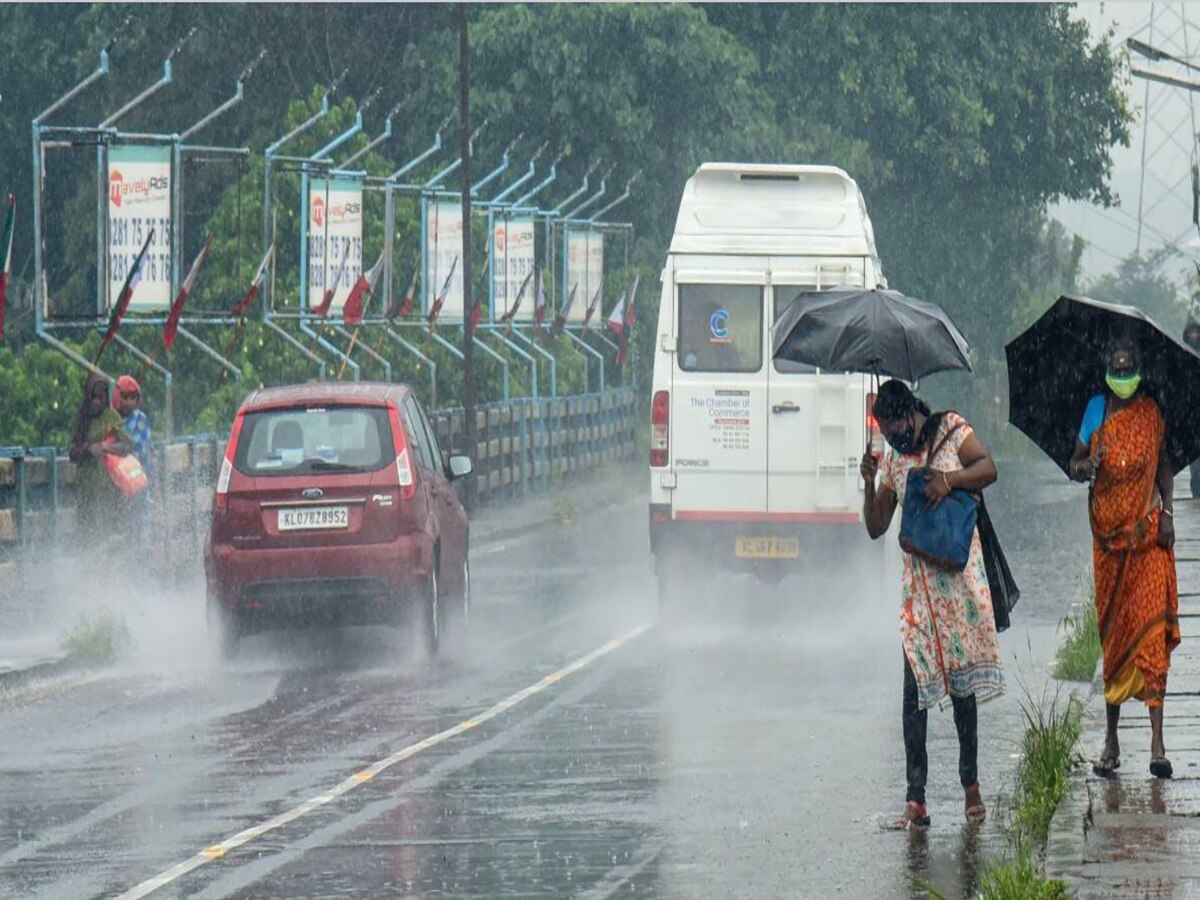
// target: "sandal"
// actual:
[[974, 809], [1107, 765], [915, 815], [1160, 767]]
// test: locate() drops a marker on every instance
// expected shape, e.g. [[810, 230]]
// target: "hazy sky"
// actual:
[[1168, 144]]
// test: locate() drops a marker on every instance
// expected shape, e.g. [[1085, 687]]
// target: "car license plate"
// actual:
[[766, 548], [313, 518]]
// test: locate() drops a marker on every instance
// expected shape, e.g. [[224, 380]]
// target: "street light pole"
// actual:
[[468, 271]]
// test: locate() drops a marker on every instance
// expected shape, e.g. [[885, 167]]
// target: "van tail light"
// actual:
[[221, 497], [660, 431], [404, 469]]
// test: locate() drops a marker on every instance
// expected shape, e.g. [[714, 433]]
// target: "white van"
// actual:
[[751, 459]]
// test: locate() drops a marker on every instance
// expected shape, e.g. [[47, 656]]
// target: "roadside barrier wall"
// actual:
[[523, 445]]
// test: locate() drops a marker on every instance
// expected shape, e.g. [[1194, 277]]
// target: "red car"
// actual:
[[334, 505]]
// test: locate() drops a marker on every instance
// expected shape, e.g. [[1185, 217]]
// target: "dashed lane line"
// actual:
[[220, 850]]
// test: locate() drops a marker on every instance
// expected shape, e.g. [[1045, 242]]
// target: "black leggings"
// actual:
[[915, 756]]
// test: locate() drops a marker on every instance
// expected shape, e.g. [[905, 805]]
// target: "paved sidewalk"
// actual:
[[1135, 836]]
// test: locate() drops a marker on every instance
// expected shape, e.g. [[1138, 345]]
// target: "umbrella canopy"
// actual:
[[1057, 365], [879, 332]]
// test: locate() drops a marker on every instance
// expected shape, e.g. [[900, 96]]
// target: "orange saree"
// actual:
[[1137, 596]]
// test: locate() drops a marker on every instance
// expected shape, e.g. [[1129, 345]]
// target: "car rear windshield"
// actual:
[[314, 439], [720, 327]]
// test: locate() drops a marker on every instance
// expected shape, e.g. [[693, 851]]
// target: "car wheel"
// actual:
[[462, 606], [429, 613], [223, 627]]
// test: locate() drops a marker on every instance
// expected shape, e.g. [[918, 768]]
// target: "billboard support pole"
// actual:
[[414, 351]]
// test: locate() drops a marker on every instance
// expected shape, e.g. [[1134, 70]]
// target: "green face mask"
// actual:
[[1123, 386]]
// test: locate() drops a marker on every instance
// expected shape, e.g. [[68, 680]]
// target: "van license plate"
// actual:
[[766, 548], [314, 518]]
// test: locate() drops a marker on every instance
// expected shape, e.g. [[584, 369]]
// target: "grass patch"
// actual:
[[565, 509], [1048, 755], [98, 639], [1077, 655]]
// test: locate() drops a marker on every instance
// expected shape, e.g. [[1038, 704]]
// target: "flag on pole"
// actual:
[[631, 307], [539, 304], [327, 300], [122, 304], [616, 323], [355, 308], [616, 318], [6, 258], [560, 317], [185, 291], [403, 307], [440, 299], [511, 313], [243, 305], [595, 304]]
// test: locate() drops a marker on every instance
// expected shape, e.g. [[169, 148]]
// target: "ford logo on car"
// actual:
[[312, 493]]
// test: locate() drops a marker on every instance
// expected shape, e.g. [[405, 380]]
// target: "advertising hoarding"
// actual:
[[139, 199]]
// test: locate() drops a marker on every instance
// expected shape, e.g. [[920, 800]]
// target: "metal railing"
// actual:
[[523, 445]]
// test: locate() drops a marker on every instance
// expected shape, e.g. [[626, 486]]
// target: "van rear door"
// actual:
[[817, 420], [719, 396]]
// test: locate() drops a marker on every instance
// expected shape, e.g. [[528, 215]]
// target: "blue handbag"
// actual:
[[938, 535]]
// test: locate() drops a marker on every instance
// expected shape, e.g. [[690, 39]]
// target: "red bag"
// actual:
[[126, 473]]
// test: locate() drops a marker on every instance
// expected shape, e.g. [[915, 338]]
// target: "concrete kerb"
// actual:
[[1066, 840]]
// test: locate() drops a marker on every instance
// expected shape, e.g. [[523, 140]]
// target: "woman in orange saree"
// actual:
[[1121, 451]]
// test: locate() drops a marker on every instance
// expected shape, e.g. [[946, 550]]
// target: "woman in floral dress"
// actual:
[[947, 627]]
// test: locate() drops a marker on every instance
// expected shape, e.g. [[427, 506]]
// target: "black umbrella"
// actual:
[[1057, 365], [878, 331]]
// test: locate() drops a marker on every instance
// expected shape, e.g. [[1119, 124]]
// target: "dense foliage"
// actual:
[[960, 122]]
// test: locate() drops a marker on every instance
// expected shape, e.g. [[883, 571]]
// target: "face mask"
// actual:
[[1123, 387], [906, 441]]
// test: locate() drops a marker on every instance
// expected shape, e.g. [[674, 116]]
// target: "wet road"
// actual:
[[746, 752]]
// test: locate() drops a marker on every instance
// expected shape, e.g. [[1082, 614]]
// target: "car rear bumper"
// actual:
[[713, 539], [343, 585]]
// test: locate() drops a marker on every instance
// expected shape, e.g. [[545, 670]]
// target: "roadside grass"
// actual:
[[1077, 655], [565, 509], [1048, 755], [98, 639]]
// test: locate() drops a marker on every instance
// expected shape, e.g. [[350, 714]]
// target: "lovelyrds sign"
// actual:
[[139, 200]]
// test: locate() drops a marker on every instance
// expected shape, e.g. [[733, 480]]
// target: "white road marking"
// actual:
[[219, 850]]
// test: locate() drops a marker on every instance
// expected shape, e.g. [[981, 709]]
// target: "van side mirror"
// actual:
[[460, 467]]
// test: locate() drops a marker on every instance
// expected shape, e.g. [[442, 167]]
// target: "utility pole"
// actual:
[[468, 271]]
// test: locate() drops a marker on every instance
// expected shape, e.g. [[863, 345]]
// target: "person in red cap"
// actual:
[[127, 401]]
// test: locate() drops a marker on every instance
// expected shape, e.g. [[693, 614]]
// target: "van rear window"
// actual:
[[319, 439], [786, 296], [720, 327]]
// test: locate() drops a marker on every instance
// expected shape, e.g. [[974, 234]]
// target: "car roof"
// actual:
[[355, 393]]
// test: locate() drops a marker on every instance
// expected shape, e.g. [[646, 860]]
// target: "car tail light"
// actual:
[[221, 497], [404, 470], [660, 420]]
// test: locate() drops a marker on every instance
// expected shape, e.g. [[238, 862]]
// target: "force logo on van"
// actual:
[[691, 463]]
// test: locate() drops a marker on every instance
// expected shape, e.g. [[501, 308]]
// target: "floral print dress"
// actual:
[[946, 621]]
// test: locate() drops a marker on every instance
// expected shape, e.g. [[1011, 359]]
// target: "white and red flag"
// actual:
[[539, 304], [439, 301], [243, 305], [356, 303], [6, 257], [594, 305], [402, 307], [560, 317], [185, 291], [327, 299]]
